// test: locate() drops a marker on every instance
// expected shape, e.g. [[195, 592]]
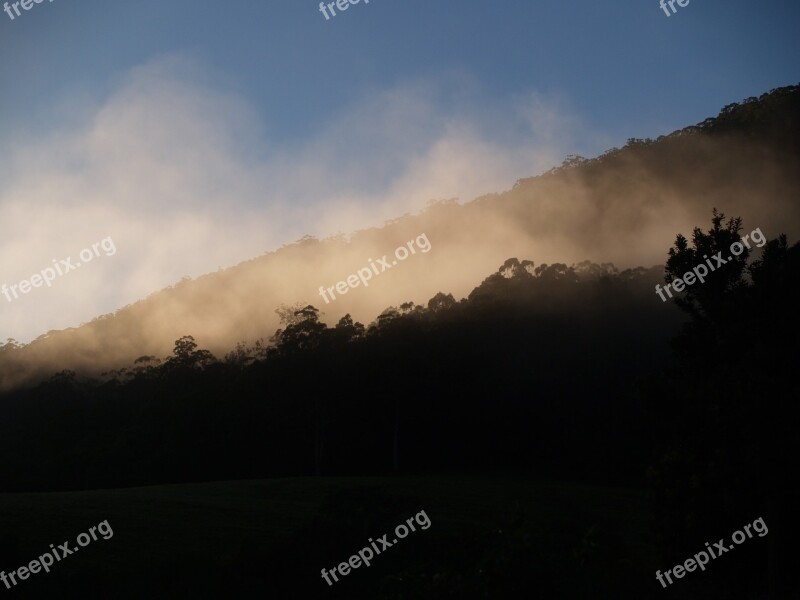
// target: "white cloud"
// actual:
[[165, 167]]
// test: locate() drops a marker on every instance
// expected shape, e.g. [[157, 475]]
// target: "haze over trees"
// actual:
[[620, 207], [550, 370]]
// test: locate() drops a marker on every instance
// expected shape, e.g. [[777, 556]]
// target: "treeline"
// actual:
[[535, 370], [551, 371], [745, 159]]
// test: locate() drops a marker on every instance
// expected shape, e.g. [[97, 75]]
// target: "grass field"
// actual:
[[490, 537]]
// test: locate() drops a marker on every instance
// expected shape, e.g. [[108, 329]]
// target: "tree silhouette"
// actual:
[[186, 356], [441, 302], [732, 446], [707, 299], [304, 333], [346, 331]]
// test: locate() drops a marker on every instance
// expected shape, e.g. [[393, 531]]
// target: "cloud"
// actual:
[[184, 179]]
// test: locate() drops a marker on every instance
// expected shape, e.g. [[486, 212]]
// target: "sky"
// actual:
[[199, 134]]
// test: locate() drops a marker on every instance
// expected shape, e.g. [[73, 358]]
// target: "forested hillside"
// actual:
[[622, 207]]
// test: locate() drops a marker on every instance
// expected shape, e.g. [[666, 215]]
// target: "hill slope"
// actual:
[[624, 207]]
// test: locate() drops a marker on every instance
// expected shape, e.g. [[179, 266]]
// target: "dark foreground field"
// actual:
[[489, 537]]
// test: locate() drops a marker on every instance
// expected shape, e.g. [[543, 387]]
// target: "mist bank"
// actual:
[[624, 207]]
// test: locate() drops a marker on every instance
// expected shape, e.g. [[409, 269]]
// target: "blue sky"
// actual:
[[199, 134], [624, 66]]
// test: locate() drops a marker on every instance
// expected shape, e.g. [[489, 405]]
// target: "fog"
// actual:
[[187, 181]]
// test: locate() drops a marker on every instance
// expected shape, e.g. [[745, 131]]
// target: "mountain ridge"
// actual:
[[649, 189]]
